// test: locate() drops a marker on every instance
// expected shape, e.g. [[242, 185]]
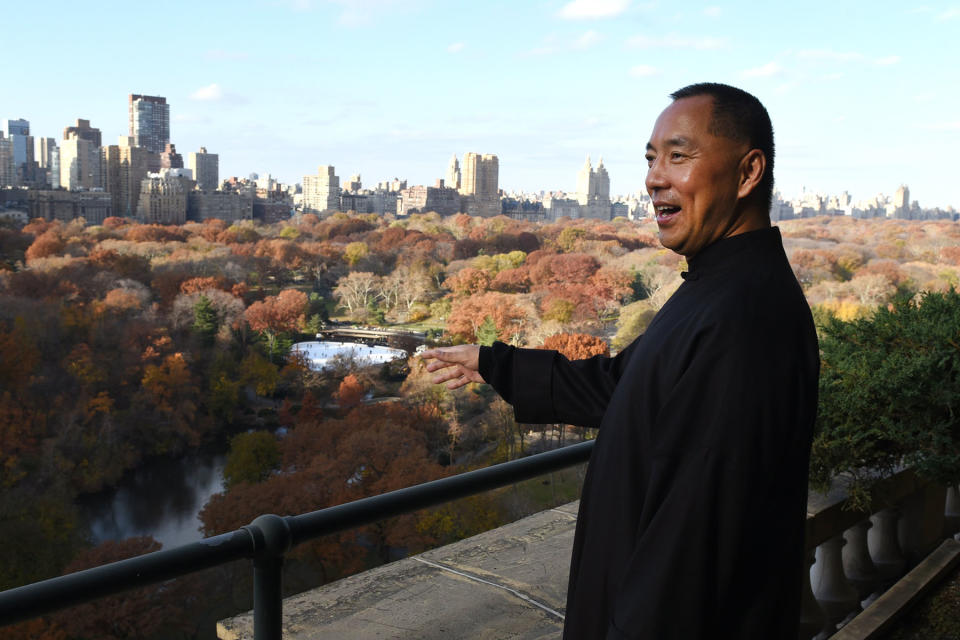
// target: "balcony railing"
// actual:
[[266, 540], [854, 557]]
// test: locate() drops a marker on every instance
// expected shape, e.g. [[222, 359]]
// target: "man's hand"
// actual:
[[458, 365]]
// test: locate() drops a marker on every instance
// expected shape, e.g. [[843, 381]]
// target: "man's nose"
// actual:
[[656, 179]]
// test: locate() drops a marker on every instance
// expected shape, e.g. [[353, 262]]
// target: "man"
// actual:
[[691, 518]]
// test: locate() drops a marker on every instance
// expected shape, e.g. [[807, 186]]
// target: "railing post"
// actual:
[[811, 615], [885, 547], [951, 515], [837, 598], [272, 540], [857, 564]]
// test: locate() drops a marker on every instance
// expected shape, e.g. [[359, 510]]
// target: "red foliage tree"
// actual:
[[49, 243], [277, 314], [468, 314], [350, 393], [577, 346], [468, 281]]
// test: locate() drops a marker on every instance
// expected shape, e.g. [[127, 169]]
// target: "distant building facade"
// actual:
[[49, 161], [420, 199], [163, 200], [593, 191], [149, 120], [8, 174], [79, 164], [453, 173], [170, 159], [322, 191], [84, 131], [124, 167], [94, 207], [223, 205], [479, 185], [206, 169]]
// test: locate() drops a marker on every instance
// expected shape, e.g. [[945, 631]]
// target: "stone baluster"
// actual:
[[812, 620], [885, 547], [952, 511], [838, 599], [857, 564]]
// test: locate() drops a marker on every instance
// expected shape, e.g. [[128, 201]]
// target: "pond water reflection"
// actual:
[[162, 499]]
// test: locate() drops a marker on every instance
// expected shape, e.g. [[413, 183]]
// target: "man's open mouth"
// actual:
[[666, 212]]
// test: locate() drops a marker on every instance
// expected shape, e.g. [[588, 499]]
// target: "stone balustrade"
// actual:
[[855, 556]]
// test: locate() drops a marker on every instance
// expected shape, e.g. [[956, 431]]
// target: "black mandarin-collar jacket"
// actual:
[[692, 513]]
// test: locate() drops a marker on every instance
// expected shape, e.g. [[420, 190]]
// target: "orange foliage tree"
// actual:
[[576, 346], [468, 314], [277, 314]]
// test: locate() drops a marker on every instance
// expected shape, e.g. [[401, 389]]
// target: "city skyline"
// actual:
[[391, 88]]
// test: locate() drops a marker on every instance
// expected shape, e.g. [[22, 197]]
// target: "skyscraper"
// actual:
[[479, 183], [50, 161], [124, 167], [18, 132], [84, 131], [149, 122], [321, 192], [79, 164], [206, 169], [7, 172]]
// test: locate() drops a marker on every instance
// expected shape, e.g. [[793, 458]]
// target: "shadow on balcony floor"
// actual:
[[509, 582]]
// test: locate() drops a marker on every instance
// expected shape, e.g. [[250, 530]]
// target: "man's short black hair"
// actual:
[[739, 116]]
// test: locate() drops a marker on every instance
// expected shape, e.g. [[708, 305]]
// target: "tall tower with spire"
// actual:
[[453, 173], [593, 191]]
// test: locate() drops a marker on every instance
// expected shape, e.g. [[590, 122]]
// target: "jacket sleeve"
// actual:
[[543, 386]]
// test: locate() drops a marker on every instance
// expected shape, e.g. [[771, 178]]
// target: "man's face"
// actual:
[[692, 177]]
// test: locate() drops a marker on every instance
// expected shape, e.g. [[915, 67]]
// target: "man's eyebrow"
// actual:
[[678, 141]]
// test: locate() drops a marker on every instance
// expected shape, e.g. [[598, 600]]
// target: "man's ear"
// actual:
[[752, 167]]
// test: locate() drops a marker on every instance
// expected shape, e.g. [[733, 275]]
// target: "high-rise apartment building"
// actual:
[[901, 202], [593, 191], [24, 165], [149, 118], [84, 131], [206, 169], [322, 191], [79, 164], [49, 161], [479, 183], [124, 167], [170, 159], [8, 173]]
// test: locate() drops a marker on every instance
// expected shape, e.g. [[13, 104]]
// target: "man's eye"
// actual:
[[676, 155], [650, 160]]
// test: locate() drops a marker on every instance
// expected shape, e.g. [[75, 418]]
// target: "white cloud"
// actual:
[[592, 9], [712, 12], [829, 54], [587, 40], [643, 71], [949, 14], [763, 71], [456, 47], [209, 93], [674, 41], [887, 60]]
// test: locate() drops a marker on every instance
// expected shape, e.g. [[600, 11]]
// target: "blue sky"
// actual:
[[864, 96]]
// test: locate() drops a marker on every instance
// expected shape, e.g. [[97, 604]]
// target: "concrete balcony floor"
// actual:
[[506, 583]]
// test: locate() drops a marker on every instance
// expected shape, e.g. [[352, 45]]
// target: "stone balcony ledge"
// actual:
[[509, 582]]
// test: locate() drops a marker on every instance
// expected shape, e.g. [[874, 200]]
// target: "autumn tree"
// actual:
[[468, 314], [356, 290], [253, 457], [577, 346], [351, 392], [277, 314]]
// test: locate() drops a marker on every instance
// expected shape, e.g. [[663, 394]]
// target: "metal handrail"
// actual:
[[266, 540]]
